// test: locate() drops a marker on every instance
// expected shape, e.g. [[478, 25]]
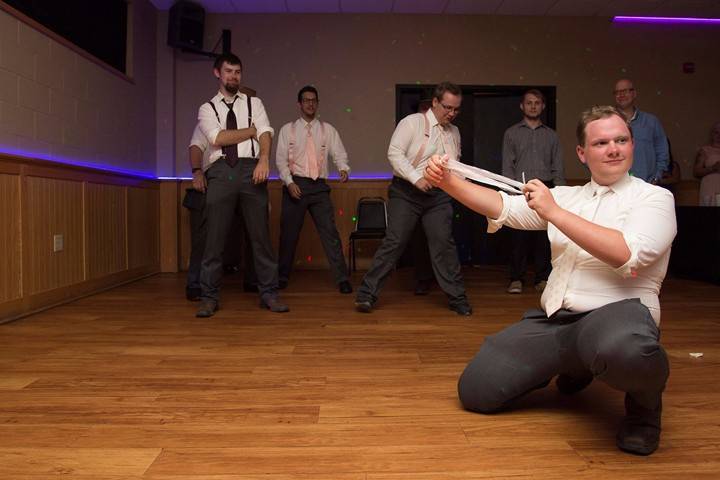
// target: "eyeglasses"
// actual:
[[450, 109], [309, 100], [624, 91]]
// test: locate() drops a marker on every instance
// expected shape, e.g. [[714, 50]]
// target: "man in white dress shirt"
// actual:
[[239, 133], [412, 199], [302, 160], [194, 201], [611, 243]]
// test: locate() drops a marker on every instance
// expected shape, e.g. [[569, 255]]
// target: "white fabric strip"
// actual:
[[484, 176]]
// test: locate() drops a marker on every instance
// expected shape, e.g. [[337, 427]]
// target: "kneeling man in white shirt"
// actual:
[[600, 312]]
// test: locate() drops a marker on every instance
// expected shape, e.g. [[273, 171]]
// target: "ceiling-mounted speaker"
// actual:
[[186, 25]]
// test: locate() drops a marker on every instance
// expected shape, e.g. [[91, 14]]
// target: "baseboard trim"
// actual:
[[23, 307]]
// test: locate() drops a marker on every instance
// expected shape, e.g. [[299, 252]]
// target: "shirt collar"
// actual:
[[634, 115], [618, 187], [221, 98], [431, 118], [524, 123], [305, 123]]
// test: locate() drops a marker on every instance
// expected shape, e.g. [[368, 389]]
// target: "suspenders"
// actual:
[[426, 133], [291, 144], [418, 157], [249, 107]]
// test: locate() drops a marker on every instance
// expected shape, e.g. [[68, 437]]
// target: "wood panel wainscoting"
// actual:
[[109, 224], [175, 232], [175, 220]]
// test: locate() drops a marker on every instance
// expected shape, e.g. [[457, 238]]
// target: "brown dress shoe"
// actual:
[[207, 309], [273, 303]]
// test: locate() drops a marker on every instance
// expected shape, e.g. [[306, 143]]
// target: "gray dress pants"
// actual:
[[617, 343], [226, 187], [406, 206], [316, 199], [195, 202]]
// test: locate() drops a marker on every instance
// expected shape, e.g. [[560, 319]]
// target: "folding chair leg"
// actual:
[[354, 257]]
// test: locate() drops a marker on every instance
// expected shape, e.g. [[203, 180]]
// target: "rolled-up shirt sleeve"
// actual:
[[198, 139], [399, 145], [337, 150], [648, 231], [516, 214], [260, 118], [282, 159], [208, 123]]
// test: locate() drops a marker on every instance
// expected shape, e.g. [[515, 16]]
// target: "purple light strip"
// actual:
[[361, 176], [668, 20], [135, 173], [103, 168]]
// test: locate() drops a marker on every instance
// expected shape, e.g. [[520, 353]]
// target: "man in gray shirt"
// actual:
[[531, 149]]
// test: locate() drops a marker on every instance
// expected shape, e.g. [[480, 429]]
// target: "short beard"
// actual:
[[232, 89]]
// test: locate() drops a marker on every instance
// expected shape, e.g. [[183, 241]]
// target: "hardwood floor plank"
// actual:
[[82, 461], [129, 385], [326, 460]]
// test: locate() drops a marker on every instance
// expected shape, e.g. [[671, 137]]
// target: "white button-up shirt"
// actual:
[[643, 213], [333, 147], [199, 140], [409, 136], [211, 125]]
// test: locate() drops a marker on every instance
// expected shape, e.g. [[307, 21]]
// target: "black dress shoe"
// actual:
[[363, 306], [422, 287], [273, 303], [193, 294], [207, 309], [282, 284], [639, 431], [462, 308], [230, 269], [345, 287], [250, 287], [569, 385]]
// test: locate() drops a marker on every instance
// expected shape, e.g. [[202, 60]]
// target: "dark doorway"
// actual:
[[487, 111]]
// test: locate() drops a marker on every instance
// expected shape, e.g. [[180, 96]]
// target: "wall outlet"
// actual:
[[58, 243]]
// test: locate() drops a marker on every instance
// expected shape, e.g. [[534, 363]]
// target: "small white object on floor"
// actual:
[[696, 354]]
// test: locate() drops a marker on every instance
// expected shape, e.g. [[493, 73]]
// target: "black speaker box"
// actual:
[[186, 25]]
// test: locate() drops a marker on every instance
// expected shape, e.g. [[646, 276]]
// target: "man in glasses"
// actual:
[[302, 160], [652, 155], [531, 149], [412, 199]]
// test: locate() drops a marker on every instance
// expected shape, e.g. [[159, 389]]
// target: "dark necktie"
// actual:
[[231, 151]]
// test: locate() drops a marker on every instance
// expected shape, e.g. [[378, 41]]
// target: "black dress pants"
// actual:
[[315, 199], [406, 207]]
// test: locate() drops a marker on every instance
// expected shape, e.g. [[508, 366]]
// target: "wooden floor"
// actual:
[[128, 384]]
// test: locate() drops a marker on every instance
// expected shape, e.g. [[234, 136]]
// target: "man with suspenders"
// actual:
[[302, 151], [411, 199], [194, 201], [239, 132]]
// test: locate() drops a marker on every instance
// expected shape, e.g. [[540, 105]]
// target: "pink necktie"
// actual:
[[448, 145], [311, 155]]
